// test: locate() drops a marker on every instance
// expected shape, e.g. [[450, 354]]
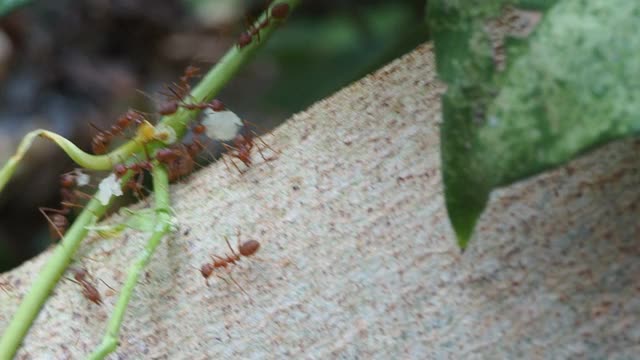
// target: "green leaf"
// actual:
[[572, 86]]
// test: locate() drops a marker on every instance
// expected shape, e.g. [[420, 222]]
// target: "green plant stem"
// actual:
[[48, 277], [161, 227], [88, 161]]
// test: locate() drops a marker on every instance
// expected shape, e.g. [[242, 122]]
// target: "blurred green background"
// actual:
[[66, 64]]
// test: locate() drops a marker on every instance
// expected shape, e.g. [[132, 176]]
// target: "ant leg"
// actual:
[[225, 280], [230, 248], [225, 163], [140, 187], [266, 159], [230, 150], [232, 163], [53, 225], [73, 280], [240, 287], [236, 166], [264, 143], [107, 285], [71, 205], [82, 194], [208, 155]]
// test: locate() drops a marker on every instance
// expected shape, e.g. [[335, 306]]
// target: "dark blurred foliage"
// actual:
[[67, 64]]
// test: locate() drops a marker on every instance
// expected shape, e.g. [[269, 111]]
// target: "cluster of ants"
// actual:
[[179, 159]]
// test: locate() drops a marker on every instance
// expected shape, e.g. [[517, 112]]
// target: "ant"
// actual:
[[278, 12], [189, 73], [171, 105], [134, 183], [243, 145], [247, 248], [101, 141], [175, 100], [58, 222], [179, 159], [89, 291]]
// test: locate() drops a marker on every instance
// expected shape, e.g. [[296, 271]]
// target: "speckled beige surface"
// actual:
[[358, 258]]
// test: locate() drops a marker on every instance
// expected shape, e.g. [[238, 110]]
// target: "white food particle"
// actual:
[[221, 125], [109, 186], [82, 179]]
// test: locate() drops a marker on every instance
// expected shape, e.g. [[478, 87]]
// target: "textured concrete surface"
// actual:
[[358, 258]]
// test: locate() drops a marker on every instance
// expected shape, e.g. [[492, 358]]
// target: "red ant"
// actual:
[[58, 222], [176, 101], [179, 159], [89, 291], [176, 98], [247, 248], [278, 12], [242, 147], [101, 141], [171, 105], [134, 183], [189, 73]]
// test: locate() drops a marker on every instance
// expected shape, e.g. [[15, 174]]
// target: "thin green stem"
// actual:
[[47, 278], [161, 227], [88, 161]]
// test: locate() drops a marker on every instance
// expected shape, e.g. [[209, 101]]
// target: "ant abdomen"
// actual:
[[248, 248]]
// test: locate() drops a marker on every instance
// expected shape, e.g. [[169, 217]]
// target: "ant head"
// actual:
[[168, 108], [249, 247], [244, 39], [191, 71], [199, 129], [216, 105], [280, 11], [99, 144], [120, 170], [206, 270], [67, 180], [80, 274], [166, 155]]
